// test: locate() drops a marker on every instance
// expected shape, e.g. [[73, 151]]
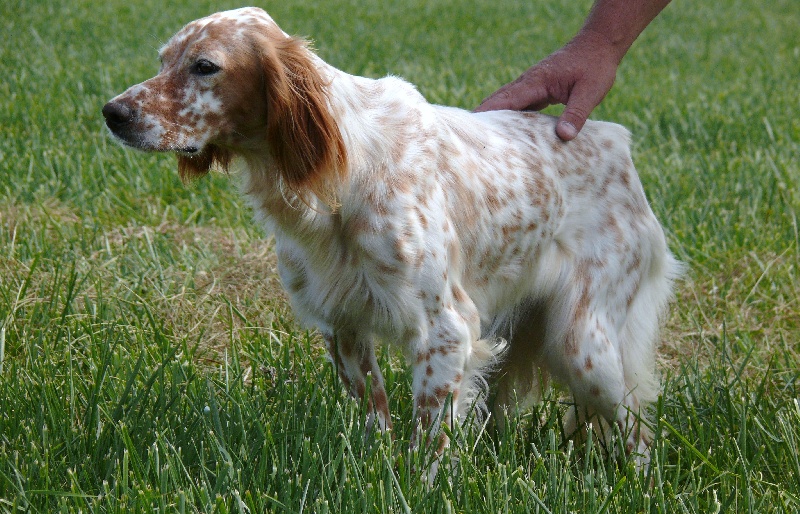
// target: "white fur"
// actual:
[[449, 228]]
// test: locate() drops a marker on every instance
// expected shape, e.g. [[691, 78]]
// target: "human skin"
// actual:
[[581, 73]]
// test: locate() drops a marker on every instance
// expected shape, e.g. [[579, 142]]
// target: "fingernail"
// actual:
[[566, 130]]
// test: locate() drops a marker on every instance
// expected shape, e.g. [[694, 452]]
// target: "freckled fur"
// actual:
[[428, 227]]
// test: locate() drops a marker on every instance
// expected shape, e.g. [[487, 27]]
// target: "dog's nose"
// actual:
[[117, 114]]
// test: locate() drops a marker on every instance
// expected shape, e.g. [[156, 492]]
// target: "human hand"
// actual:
[[579, 75]]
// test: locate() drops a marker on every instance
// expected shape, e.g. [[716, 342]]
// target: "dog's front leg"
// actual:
[[439, 373], [354, 360]]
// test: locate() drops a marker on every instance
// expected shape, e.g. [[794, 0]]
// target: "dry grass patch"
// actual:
[[750, 302], [204, 285]]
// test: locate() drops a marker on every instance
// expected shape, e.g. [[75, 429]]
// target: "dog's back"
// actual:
[[526, 205]]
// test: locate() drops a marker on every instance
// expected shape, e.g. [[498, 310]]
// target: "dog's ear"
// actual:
[[302, 133], [196, 166]]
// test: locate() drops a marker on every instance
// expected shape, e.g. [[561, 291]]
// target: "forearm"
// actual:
[[621, 21], [580, 74]]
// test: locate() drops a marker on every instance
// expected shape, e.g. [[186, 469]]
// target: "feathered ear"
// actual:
[[196, 166], [301, 131]]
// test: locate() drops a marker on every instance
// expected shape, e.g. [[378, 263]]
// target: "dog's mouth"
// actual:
[[125, 123]]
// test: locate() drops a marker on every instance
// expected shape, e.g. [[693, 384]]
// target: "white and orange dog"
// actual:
[[429, 227]]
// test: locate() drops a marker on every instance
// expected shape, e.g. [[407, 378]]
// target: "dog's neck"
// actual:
[[368, 117], [370, 113]]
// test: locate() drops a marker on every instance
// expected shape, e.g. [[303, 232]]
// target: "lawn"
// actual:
[[148, 359]]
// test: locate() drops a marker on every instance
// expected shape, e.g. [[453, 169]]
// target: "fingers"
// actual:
[[526, 93], [498, 101], [566, 131], [586, 94], [579, 76], [572, 120], [511, 97]]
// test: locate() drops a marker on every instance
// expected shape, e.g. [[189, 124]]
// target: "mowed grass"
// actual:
[[149, 362]]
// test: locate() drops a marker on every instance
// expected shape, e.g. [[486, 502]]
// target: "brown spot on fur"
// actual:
[[381, 404], [400, 251], [571, 343], [441, 392], [387, 269], [493, 202], [625, 179], [366, 362], [443, 440], [345, 380], [424, 417], [510, 229], [583, 304], [297, 283], [634, 265], [358, 224], [611, 225], [345, 349], [425, 401], [381, 210]]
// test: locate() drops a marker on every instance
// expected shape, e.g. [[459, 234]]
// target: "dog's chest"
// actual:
[[365, 278]]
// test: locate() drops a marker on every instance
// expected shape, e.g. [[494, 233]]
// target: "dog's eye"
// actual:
[[205, 67]]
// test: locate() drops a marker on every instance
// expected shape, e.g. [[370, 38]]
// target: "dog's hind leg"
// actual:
[[609, 368]]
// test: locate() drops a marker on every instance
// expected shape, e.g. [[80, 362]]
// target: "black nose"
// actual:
[[117, 114]]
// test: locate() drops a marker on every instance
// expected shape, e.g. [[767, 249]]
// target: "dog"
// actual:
[[431, 228]]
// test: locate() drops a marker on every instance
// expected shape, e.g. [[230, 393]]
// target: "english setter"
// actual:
[[429, 227]]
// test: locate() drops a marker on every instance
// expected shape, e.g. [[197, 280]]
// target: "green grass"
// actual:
[[149, 361]]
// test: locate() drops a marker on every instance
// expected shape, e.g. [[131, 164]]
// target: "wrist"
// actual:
[[598, 42], [617, 23]]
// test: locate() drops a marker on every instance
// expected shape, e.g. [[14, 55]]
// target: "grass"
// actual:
[[148, 360]]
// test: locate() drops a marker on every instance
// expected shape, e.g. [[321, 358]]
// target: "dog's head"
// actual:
[[235, 83]]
